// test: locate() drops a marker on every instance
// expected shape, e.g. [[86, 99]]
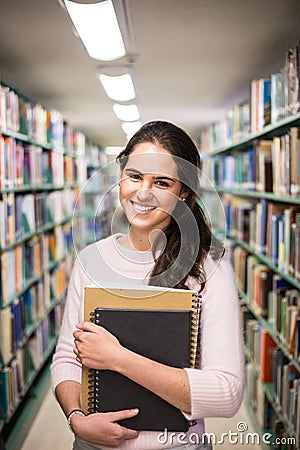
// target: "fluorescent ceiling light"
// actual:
[[130, 128], [98, 28], [127, 113], [119, 87]]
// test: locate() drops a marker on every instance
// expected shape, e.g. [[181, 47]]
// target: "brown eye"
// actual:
[[135, 177], [162, 183]]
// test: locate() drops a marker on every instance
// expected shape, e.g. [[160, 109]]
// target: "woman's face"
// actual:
[[149, 187]]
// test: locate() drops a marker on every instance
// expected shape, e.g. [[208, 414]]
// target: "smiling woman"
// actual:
[[169, 244], [160, 168]]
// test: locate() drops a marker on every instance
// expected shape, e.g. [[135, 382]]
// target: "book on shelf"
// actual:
[[290, 374], [239, 262], [5, 403], [275, 96], [263, 170], [33, 257], [252, 341], [28, 214], [6, 334], [260, 103], [267, 347], [292, 80], [17, 380], [40, 209], [277, 237], [252, 261], [262, 281], [264, 410], [272, 231], [295, 160], [132, 315], [279, 286], [18, 321]]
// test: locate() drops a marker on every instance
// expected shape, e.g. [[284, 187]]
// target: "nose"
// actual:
[[145, 194]]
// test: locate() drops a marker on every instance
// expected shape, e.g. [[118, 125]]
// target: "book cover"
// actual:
[[163, 336]]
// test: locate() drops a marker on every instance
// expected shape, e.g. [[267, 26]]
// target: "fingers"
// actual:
[[123, 414], [87, 326], [127, 433]]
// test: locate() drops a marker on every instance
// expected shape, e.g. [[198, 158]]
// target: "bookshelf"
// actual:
[[42, 168], [252, 159], [100, 194]]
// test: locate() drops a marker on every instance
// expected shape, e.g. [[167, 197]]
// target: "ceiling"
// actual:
[[191, 59]]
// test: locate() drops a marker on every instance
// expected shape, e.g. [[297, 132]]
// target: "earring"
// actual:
[[182, 199]]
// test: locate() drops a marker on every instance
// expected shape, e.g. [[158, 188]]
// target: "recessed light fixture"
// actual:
[[98, 28], [127, 113], [119, 87]]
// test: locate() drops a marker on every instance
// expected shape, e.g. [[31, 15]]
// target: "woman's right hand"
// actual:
[[103, 429]]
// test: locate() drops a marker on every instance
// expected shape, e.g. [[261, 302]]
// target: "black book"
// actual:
[[163, 336]]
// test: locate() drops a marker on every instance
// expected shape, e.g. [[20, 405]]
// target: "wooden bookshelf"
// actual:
[[43, 161], [254, 174]]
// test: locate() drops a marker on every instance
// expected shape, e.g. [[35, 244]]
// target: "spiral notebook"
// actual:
[[159, 324]]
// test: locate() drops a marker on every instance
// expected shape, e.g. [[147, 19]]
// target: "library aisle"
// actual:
[[62, 439]]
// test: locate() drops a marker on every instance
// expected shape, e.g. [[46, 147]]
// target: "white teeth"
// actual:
[[143, 208]]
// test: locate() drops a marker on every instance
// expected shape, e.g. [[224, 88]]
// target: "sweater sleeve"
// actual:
[[217, 388], [64, 365]]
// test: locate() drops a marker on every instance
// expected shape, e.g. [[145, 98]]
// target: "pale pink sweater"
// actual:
[[216, 389]]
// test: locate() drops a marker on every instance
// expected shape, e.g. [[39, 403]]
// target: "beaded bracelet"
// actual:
[[71, 414]]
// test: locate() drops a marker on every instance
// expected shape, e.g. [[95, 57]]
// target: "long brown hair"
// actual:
[[181, 254]]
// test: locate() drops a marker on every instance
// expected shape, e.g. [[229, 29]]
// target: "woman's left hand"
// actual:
[[95, 347]]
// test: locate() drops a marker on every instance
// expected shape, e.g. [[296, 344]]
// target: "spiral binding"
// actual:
[[93, 378], [195, 331]]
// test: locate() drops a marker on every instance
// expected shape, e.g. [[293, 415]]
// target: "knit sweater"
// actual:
[[217, 388]]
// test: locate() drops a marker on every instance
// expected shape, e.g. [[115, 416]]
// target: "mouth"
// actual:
[[142, 208]]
